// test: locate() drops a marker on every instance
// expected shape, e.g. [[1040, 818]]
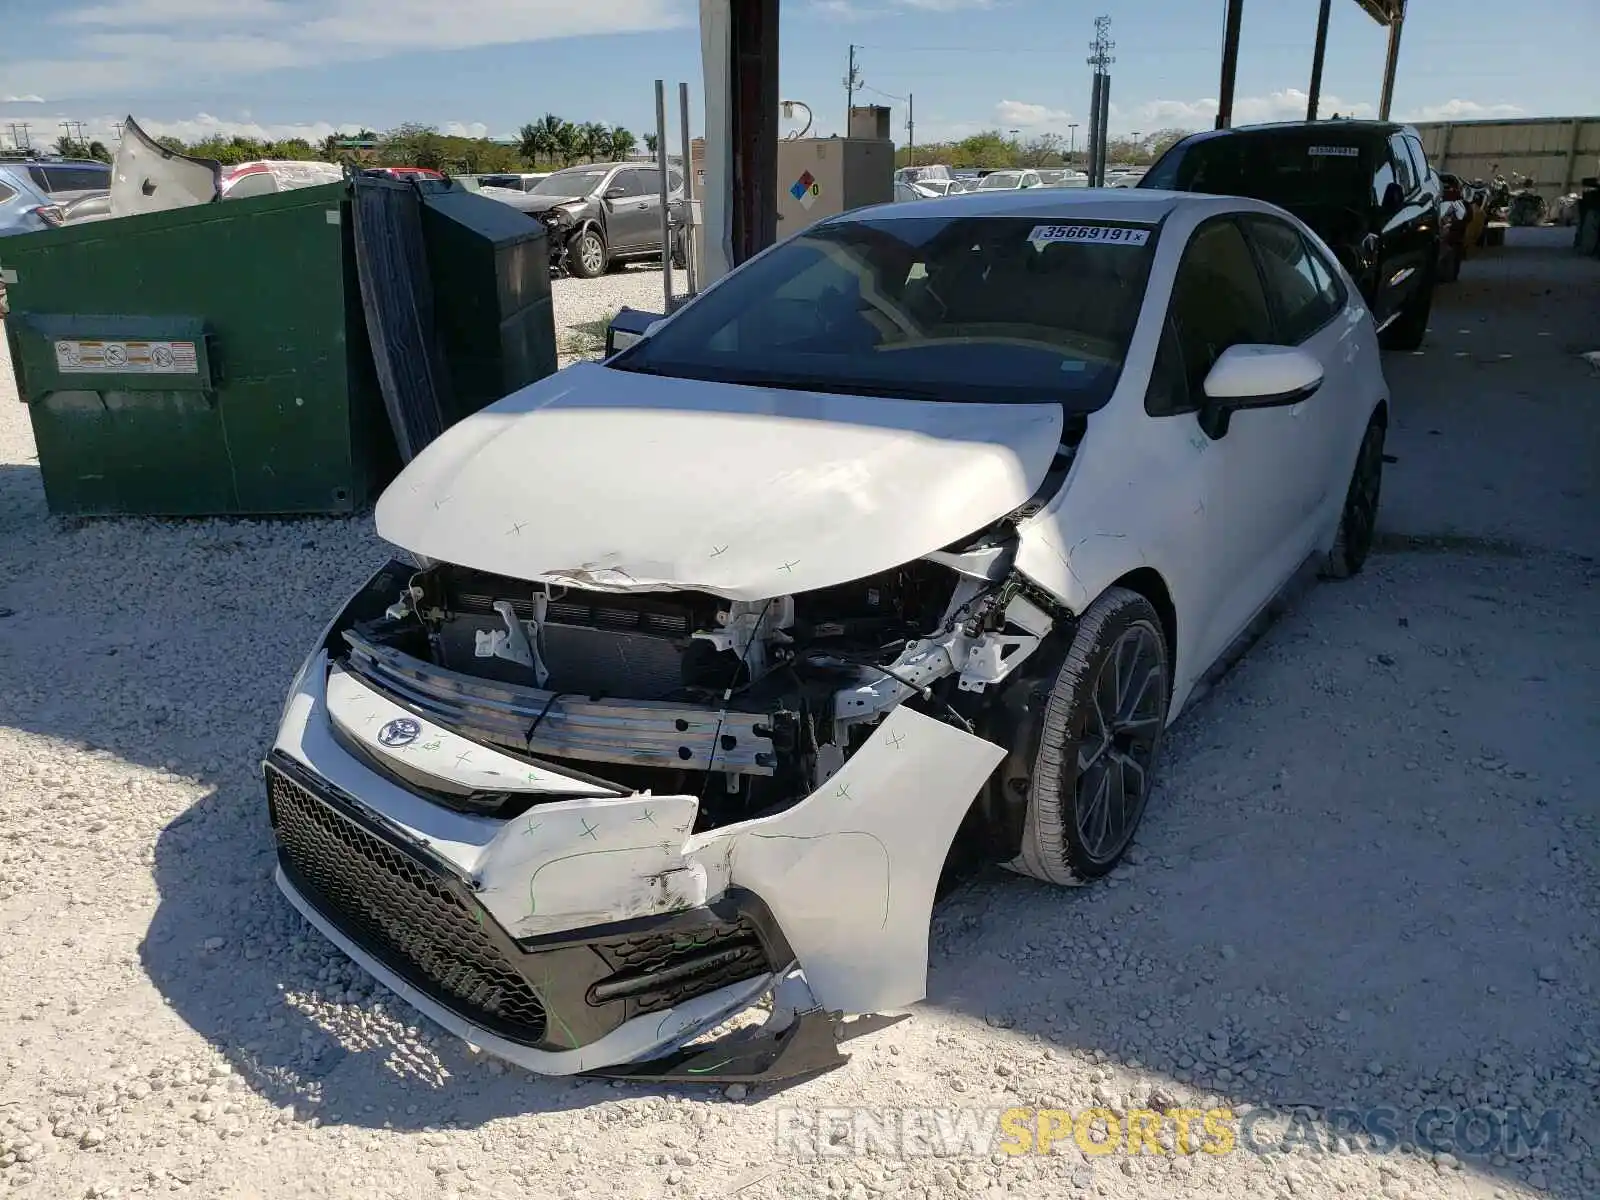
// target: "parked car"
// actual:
[[36, 192], [1455, 223], [523, 182], [404, 172], [898, 547], [1586, 238], [1008, 181], [1066, 177], [602, 214], [1364, 186]]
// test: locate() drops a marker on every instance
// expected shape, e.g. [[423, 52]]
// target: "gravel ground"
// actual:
[[1369, 880], [584, 307]]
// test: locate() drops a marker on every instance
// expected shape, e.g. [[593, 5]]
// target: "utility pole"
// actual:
[[852, 81], [1100, 101], [911, 129], [19, 136]]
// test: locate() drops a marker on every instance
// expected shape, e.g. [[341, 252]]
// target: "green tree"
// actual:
[[175, 144], [1163, 140], [1043, 151], [594, 139], [987, 149], [622, 143], [545, 138], [98, 150], [567, 143], [651, 142], [413, 145], [292, 148]]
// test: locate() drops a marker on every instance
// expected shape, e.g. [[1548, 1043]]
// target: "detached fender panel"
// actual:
[[850, 871]]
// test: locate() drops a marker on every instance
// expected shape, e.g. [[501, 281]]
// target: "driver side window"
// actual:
[[631, 182], [1217, 302]]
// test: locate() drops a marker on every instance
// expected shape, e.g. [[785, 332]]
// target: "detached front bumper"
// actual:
[[598, 931]]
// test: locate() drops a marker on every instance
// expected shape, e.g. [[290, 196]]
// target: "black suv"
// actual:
[[1365, 187]]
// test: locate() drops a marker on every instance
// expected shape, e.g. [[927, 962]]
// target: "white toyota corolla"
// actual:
[[901, 545]]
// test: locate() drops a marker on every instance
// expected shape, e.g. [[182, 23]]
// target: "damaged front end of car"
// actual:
[[581, 819]]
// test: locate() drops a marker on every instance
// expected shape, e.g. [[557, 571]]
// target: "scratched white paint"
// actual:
[[810, 490]]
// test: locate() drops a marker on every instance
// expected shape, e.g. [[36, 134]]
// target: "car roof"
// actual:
[[54, 162], [1090, 204], [1331, 126]]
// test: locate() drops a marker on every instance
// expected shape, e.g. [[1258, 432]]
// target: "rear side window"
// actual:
[[1419, 158], [1298, 296], [1405, 173], [7, 192], [1217, 302], [55, 179]]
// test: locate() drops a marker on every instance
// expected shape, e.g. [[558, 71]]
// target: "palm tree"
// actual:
[[594, 138], [622, 143], [532, 142], [546, 130], [568, 143], [650, 142]]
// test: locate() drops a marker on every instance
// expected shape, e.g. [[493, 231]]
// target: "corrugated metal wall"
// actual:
[[1556, 151]]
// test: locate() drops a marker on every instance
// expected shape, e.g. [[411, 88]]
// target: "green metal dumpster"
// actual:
[[209, 360], [214, 360]]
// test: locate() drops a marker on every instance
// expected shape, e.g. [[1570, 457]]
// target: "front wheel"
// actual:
[[587, 255], [1358, 522], [1101, 732]]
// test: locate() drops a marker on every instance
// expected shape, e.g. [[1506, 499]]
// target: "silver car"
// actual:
[[37, 193]]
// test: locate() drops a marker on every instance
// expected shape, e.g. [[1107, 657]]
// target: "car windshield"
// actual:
[[999, 181], [1308, 167], [574, 181], [936, 307]]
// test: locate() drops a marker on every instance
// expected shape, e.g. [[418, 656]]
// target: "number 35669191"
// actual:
[[1117, 235]]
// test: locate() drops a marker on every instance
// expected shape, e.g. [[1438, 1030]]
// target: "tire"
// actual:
[[1450, 265], [586, 255], [1358, 521], [1411, 326], [1588, 240], [1060, 837]]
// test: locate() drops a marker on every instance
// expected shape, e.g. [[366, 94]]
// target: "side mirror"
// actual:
[[1248, 376], [615, 193], [629, 326]]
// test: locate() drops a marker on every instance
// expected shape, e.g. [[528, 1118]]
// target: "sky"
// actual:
[[284, 68]]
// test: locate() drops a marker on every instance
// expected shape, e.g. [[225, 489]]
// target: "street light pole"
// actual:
[[1072, 140]]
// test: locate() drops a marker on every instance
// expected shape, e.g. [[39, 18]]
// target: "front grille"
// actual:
[[661, 970], [401, 912]]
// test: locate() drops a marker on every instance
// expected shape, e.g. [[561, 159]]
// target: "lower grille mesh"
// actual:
[[401, 913]]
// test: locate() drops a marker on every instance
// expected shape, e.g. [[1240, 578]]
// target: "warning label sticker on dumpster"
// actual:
[[126, 358]]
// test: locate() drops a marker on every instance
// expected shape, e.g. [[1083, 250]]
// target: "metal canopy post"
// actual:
[[1230, 62], [1396, 22], [753, 57], [1317, 56]]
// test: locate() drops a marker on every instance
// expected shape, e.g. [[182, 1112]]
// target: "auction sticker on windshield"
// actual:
[[1109, 235], [1334, 151]]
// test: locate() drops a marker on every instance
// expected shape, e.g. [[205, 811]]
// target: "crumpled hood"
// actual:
[[622, 481], [534, 205]]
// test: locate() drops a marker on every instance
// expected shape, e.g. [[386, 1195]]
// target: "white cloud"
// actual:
[[842, 10], [204, 125], [466, 129], [30, 98], [1286, 105], [944, 5], [1463, 110], [128, 45], [1019, 114]]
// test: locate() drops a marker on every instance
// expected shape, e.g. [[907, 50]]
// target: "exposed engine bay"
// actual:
[[748, 706]]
